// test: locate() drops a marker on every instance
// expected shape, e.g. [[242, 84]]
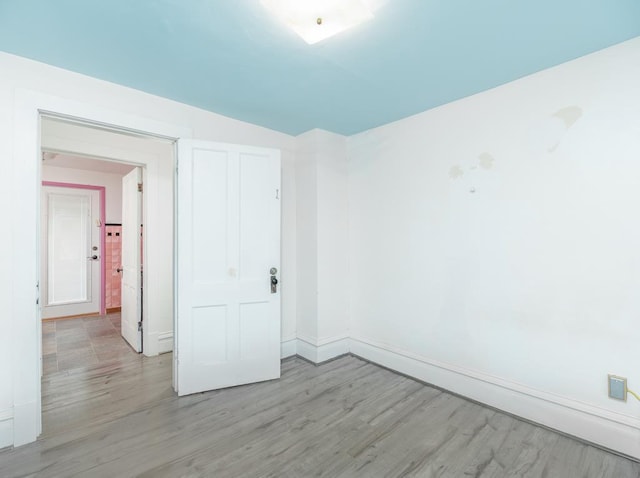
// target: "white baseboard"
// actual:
[[6, 428], [318, 351], [25, 423], [158, 343], [615, 431], [328, 349], [165, 342], [288, 347]]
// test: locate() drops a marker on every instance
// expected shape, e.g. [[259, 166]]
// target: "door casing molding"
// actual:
[[29, 106]]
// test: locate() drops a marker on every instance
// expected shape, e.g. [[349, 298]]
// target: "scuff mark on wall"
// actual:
[[486, 161], [455, 172], [569, 115], [547, 136]]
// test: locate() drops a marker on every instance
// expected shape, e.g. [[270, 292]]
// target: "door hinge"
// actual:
[[139, 187], [139, 326]]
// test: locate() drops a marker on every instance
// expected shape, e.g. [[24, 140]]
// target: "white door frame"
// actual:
[[158, 172], [26, 180]]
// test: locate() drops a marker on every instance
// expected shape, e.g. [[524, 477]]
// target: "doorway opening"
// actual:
[[82, 262], [110, 335]]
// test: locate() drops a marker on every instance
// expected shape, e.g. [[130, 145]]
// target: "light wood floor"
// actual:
[[82, 341], [346, 418]]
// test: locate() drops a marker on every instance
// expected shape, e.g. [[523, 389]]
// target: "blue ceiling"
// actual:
[[231, 57]]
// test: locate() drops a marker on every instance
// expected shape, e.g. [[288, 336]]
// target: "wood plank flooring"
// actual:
[[346, 418], [82, 341]]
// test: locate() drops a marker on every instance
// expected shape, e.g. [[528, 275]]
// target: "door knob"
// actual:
[[274, 280], [93, 258], [119, 269]]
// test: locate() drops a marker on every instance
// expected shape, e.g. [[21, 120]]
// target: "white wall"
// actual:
[[494, 245], [306, 178], [321, 185], [6, 285], [16, 299], [288, 253], [111, 182], [333, 258]]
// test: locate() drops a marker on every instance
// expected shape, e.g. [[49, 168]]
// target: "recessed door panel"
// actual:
[[69, 271], [209, 332], [209, 199], [253, 330]]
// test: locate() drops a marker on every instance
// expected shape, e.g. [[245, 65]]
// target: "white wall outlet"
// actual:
[[618, 387]]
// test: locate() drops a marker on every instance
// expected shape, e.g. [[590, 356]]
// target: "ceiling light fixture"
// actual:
[[317, 20]]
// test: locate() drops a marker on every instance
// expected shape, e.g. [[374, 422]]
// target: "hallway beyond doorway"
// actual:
[[81, 342]]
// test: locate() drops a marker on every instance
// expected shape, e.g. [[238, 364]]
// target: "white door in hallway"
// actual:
[[131, 285], [228, 218], [70, 233]]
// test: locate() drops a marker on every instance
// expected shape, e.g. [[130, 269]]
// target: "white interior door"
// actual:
[[131, 295], [70, 261], [228, 215]]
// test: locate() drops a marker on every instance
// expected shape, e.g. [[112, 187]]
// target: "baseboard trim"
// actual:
[[322, 350], [65, 317], [288, 348], [25, 423], [157, 343], [165, 342], [614, 431], [6, 428]]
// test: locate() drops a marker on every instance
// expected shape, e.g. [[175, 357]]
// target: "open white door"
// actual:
[[228, 216], [131, 306]]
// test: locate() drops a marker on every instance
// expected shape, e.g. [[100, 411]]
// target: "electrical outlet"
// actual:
[[618, 387]]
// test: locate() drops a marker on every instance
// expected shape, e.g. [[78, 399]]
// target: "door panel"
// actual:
[[252, 328], [209, 200], [228, 324], [131, 308], [71, 228], [209, 329], [254, 189], [69, 243]]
